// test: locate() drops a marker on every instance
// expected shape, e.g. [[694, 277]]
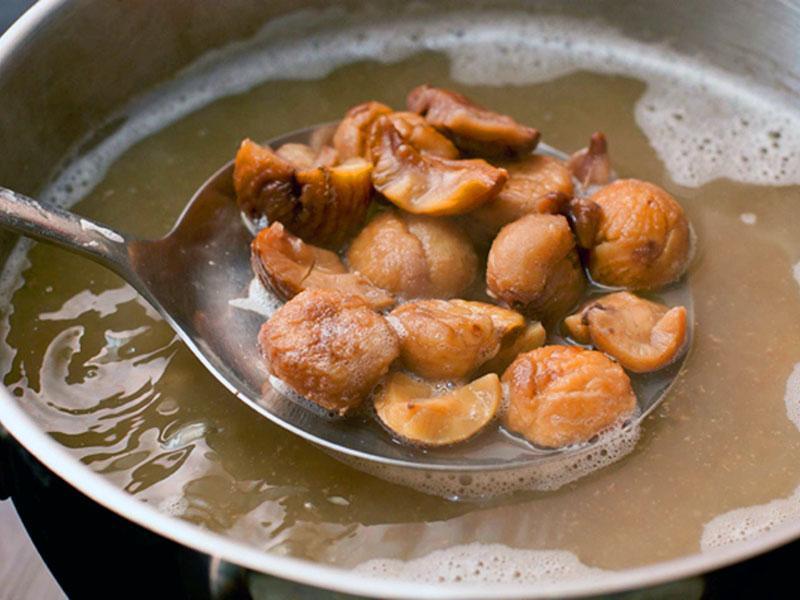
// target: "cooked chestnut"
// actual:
[[536, 184], [414, 256], [413, 411], [303, 156], [563, 395], [533, 266], [472, 128], [591, 165], [514, 343], [264, 183], [425, 184], [329, 347], [288, 265], [642, 240], [642, 335], [323, 204], [351, 138], [422, 135], [442, 339]]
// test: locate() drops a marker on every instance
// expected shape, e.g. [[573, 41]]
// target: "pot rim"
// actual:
[[56, 458]]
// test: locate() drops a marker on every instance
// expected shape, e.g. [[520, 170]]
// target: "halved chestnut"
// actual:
[[642, 335], [423, 136], [413, 411], [323, 204], [425, 184], [286, 264], [472, 128]]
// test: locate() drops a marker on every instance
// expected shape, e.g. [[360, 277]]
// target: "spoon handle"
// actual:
[[50, 223]]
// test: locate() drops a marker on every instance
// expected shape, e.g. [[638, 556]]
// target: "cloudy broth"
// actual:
[[109, 380]]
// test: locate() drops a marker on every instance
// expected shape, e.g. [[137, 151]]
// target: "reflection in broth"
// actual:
[[109, 380]]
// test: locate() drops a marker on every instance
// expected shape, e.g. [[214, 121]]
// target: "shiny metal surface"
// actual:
[[191, 275], [46, 111]]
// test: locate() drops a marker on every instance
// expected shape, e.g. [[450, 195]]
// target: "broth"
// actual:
[[109, 380]]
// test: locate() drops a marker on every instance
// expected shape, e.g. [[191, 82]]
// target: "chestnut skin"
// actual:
[[564, 395], [642, 240], [414, 256], [329, 347], [533, 267]]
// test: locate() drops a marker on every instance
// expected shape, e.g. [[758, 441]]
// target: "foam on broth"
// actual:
[[109, 380]]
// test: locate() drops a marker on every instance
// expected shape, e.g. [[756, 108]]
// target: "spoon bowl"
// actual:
[[198, 278]]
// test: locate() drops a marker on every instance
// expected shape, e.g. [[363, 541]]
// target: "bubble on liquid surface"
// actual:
[[796, 273], [484, 564], [258, 300], [750, 522], [698, 120], [545, 475], [703, 122], [792, 396], [748, 218], [174, 506]]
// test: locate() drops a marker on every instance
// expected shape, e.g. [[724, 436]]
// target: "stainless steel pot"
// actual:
[[67, 65]]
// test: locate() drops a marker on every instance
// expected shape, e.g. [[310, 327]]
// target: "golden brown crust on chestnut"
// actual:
[[288, 265], [642, 335], [323, 204], [472, 128], [643, 238], [329, 347], [414, 256], [442, 339], [563, 395], [533, 267], [425, 184]]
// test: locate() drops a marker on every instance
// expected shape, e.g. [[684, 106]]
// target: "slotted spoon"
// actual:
[[190, 277]]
